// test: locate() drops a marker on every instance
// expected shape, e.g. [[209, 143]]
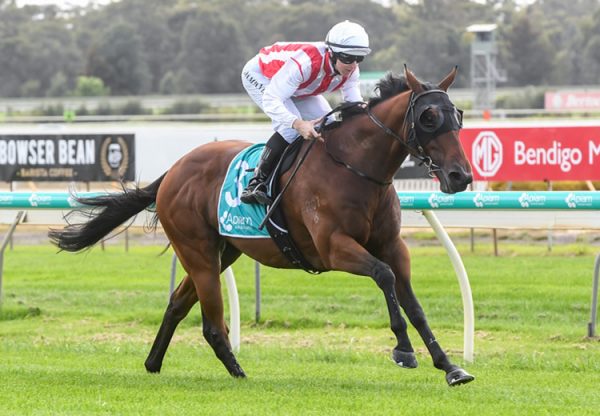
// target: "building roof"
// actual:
[[489, 27]]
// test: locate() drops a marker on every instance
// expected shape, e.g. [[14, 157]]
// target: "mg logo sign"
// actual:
[[487, 153]]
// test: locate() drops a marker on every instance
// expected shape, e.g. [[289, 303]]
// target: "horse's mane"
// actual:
[[390, 85]]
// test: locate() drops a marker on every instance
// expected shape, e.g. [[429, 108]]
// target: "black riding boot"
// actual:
[[256, 191]]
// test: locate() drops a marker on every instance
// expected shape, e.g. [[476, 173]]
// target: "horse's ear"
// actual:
[[446, 82], [412, 81]]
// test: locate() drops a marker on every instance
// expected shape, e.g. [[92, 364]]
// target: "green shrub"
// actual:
[[103, 109], [49, 110], [132, 108], [529, 97], [90, 87], [187, 107]]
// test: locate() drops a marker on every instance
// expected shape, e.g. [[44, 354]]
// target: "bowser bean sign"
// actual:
[[67, 157], [533, 153]]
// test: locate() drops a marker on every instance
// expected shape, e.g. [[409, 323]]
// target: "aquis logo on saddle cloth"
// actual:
[[237, 219]]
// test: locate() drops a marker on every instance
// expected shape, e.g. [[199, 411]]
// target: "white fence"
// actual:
[[573, 203]]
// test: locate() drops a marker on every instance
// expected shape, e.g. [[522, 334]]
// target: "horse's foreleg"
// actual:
[[348, 255], [403, 354], [454, 374], [182, 300]]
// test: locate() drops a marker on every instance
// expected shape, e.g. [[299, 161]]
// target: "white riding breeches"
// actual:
[[306, 108]]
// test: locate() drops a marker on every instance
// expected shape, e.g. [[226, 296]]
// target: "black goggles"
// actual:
[[348, 59]]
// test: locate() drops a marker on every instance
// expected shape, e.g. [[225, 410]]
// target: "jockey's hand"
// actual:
[[306, 128]]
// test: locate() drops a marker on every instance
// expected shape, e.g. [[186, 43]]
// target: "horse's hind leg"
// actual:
[[181, 302], [213, 325], [454, 374], [219, 342], [200, 257]]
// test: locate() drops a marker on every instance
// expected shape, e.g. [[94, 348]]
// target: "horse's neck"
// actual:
[[367, 147]]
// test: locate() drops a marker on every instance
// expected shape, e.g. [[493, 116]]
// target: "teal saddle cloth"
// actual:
[[237, 219], [242, 220]]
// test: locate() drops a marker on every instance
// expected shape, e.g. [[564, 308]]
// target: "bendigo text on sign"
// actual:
[[533, 153]]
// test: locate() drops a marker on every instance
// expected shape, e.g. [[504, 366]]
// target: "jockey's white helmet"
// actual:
[[348, 37]]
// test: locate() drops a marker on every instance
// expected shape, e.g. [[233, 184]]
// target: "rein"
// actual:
[[339, 109], [354, 170]]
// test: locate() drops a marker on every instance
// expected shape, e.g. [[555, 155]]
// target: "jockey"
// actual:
[[286, 81]]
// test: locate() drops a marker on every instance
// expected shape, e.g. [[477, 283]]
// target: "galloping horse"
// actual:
[[350, 224]]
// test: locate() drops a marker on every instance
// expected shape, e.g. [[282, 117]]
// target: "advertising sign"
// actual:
[[572, 100], [533, 154], [67, 157], [412, 168]]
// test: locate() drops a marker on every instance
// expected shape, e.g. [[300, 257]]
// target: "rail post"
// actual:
[[7, 238], [463, 281], [594, 308]]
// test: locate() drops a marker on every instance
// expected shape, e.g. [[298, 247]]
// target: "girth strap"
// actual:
[[276, 223]]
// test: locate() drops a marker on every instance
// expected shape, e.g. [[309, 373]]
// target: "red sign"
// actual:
[[533, 153], [572, 100]]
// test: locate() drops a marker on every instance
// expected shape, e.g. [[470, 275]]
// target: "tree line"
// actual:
[[135, 47]]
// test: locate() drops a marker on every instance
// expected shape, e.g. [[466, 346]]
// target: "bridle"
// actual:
[[412, 122], [413, 145]]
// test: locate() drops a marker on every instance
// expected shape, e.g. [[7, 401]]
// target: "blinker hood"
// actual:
[[432, 120]]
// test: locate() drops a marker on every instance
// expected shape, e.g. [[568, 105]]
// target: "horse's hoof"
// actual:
[[152, 368], [405, 359], [236, 371], [458, 376]]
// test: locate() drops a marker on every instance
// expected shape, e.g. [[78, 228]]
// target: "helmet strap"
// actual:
[[333, 60]]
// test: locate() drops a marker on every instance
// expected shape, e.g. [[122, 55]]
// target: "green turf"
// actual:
[[75, 331]]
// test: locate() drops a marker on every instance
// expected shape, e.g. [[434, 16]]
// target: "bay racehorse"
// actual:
[[350, 223]]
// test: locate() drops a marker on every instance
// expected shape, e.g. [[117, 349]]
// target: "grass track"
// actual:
[[75, 330]]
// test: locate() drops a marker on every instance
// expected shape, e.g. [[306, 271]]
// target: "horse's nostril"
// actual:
[[459, 178], [456, 176]]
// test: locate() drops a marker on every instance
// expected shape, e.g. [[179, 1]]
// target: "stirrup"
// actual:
[[256, 194]]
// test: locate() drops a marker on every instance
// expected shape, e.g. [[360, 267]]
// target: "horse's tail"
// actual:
[[107, 213]]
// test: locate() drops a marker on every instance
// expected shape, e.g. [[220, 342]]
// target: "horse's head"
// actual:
[[432, 124]]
